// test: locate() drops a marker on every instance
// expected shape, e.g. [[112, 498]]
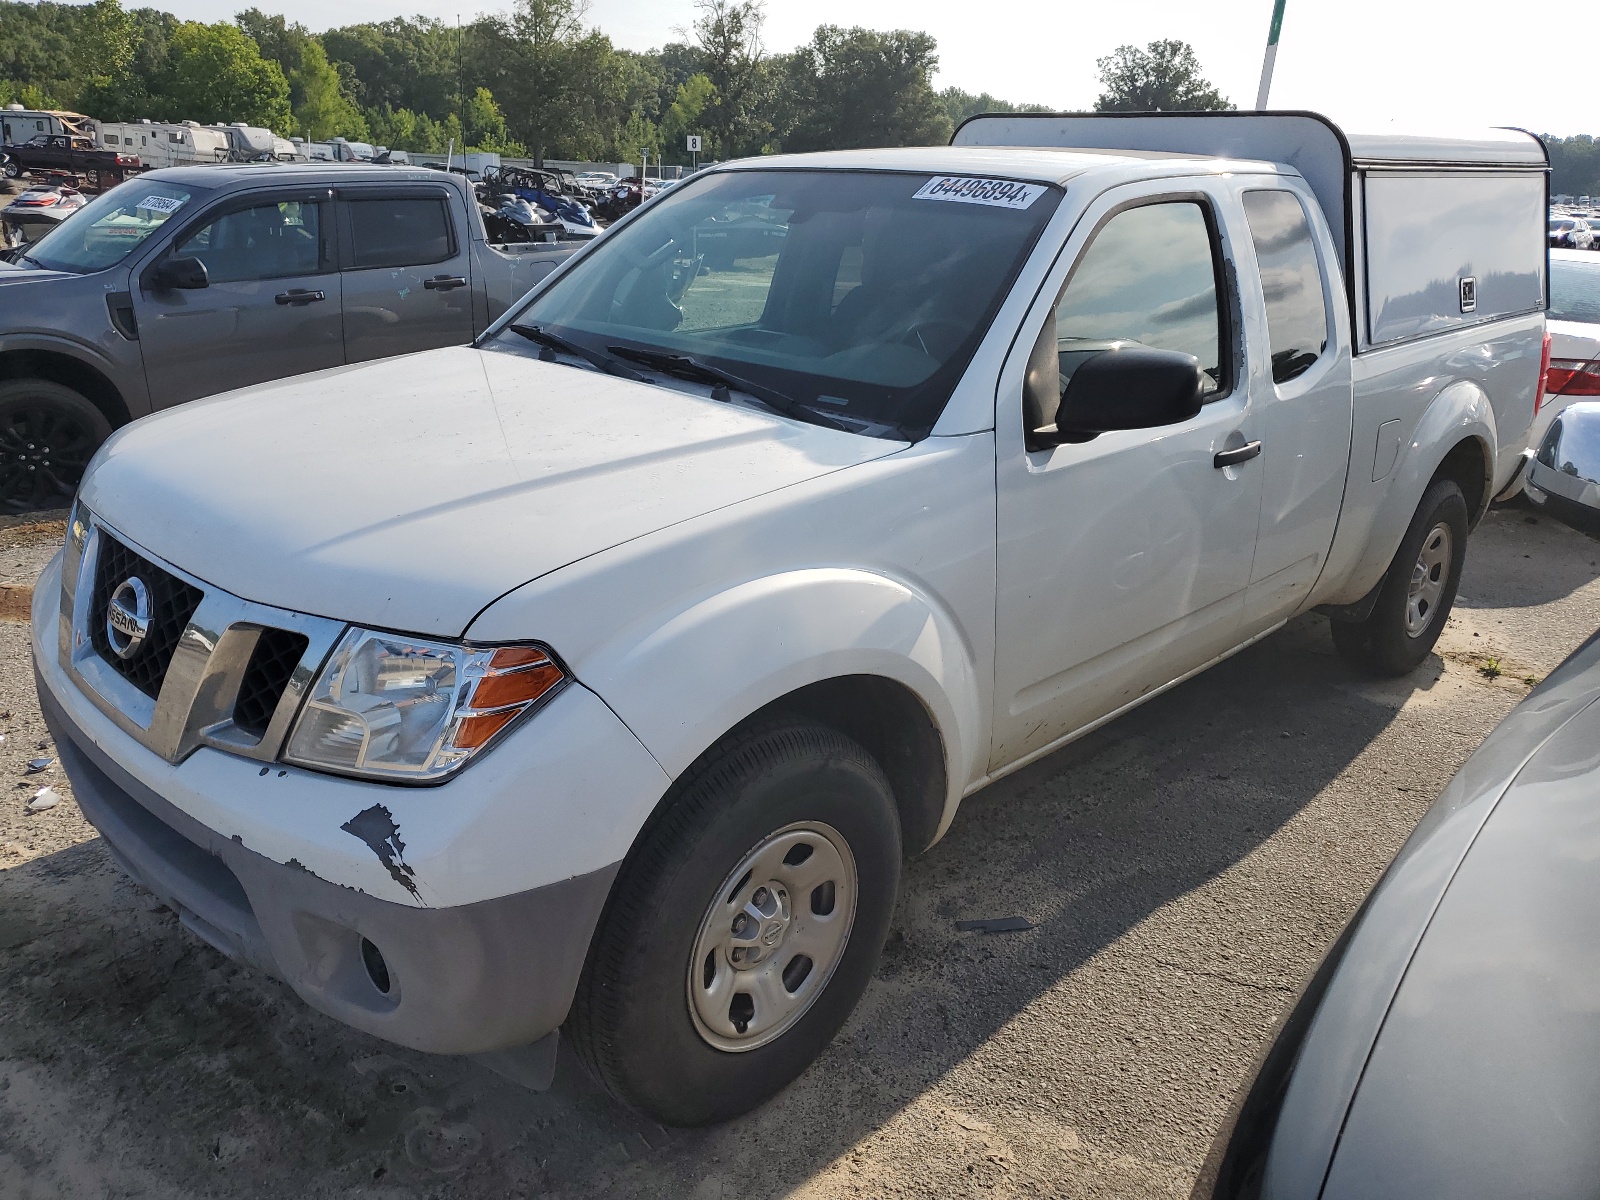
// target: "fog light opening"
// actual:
[[377, 969]]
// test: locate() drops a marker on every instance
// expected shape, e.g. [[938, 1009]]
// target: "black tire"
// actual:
[[13, 171], [633, 1021], [48, 433], [1395, 638]]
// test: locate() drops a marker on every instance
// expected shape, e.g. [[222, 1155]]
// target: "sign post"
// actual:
[[693, 147], [1271, 56]]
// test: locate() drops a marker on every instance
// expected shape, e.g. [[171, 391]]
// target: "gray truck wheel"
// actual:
[[13, 171], [744, 926], [1418, 590], [48, 433]]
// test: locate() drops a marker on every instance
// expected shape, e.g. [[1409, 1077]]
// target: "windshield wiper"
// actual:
[[722, 381], [553, 342]]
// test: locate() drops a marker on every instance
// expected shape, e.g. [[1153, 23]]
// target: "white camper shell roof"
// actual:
[[1378, 192]]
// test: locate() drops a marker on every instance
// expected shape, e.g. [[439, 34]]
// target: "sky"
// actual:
[[1371, 65]]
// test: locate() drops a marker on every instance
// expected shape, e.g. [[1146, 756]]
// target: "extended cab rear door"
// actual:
[[1122, 561], [1299, 381], [406, 267]]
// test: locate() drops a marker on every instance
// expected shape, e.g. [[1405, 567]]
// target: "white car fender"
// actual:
[[697, 673]]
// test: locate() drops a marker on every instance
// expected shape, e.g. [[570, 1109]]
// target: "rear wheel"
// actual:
[[48, 433], [743, 928], [1417, 592], [12, 169]]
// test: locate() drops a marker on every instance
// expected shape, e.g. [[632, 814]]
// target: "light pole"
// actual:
[[1271, 55]]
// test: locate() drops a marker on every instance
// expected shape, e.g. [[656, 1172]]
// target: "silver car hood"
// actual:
[[410, 493], [1482, 1083]]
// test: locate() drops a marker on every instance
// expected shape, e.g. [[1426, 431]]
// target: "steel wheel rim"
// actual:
[[1428, 579], [747, 984], [43, 453]]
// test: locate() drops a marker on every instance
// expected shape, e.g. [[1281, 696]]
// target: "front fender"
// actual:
[[682, 680]]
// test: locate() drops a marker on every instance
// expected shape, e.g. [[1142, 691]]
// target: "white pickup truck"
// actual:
[[598, 675]]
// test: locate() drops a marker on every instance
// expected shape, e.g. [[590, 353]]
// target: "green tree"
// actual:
[[852, 88], [1163, 77], [563, 86], [325, 109], [1574, 165], [959, 105], [415, 64], [686, 115], [28, 95], [728, 34], [215, 74], [484, 125]]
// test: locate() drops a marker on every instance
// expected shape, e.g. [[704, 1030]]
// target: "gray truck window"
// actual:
[[1148, 278], [112, 226], [1291, 280], [268, 241], [860, 295], [399, 232]]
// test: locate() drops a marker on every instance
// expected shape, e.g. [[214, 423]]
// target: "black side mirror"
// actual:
[[1131, 388], [183, 274]]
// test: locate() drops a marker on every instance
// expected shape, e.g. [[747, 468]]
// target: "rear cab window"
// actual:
[[1291, 281], [398, 231]]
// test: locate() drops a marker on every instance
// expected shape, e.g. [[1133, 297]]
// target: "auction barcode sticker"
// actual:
[[997, 193], [166, 204]]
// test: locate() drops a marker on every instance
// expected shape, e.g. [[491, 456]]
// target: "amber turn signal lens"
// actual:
[[475, 731], [515, 687], [508, 658]]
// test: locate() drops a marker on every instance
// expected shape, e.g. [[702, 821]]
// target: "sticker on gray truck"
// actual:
[[163, 204], [997, 193]]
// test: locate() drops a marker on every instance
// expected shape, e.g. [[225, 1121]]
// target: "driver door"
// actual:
[[1122, 562], [271, 307]]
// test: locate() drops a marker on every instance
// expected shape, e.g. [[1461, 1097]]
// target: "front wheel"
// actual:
[[12, 169], [1417, 592], [48, 433], [744, 926]]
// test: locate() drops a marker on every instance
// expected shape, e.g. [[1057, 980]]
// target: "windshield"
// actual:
[[1574, 291], [861, 295], [111, 227]]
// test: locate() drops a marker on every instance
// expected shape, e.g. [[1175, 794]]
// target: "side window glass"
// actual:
[[399, 232], [1297, 315], [1148, 278], [269, 241]]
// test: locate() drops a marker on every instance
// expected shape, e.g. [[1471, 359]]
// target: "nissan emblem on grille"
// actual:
[[128, 617]]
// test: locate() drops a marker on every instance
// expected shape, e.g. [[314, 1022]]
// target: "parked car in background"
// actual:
[[600, 673], [71, 155], [1447, 1047], [196, 280], [1570, 233], [1573, 321]]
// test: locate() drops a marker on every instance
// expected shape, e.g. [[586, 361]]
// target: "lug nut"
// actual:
[[760, 897], [741, 925]]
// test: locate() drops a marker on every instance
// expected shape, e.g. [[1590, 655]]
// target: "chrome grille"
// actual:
[[218, 670], [273, 661], [172, 605]]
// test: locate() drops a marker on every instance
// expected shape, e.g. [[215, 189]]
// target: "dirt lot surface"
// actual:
[[1186, 866]]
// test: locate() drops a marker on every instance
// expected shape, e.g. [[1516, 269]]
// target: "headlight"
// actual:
[[401, 708]]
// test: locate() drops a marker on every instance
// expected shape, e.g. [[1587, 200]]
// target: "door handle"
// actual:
[[1239, 454], [443, 283], [299, 296]]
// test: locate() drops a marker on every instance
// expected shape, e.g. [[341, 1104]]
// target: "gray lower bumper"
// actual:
[[485, 977]]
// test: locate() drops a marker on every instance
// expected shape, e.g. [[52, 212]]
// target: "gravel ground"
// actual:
[[1187, 866]]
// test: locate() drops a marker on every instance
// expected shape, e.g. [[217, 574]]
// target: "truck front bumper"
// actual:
[[472, 978]]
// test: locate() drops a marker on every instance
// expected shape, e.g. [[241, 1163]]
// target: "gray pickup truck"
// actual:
[[190, 281]]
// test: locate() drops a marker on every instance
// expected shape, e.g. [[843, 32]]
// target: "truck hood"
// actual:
[[409, 493], [21, 273]]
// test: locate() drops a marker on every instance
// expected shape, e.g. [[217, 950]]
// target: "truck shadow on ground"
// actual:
[[205, 1077]]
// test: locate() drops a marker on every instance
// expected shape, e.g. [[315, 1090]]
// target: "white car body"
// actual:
[[692, 562], [1572, 341]]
